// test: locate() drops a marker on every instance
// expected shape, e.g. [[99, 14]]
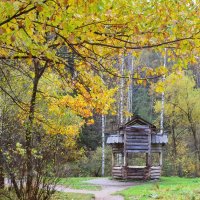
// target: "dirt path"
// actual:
[[108, 188]]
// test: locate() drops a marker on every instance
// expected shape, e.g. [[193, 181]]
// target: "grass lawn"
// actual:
[[168, 188], [78, 183], [56, 196]]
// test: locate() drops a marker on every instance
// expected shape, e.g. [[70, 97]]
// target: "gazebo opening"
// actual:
[[118, 159], [136, 159]]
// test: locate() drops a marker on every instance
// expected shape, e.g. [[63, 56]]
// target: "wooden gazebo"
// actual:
[[137, 150]]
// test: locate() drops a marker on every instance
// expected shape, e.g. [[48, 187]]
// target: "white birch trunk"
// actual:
[[121, 107], [163, 98], [130, 89], [103, 144]]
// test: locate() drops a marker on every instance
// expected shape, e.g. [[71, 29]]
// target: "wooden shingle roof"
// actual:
[[140, 121]]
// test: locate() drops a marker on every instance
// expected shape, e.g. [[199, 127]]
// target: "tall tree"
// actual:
[[182, 110]]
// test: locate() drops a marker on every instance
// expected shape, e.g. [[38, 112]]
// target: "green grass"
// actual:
[[168, 188], [56, 196], [78, 183], [71, 196]]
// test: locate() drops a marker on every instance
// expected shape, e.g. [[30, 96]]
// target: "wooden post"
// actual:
[[160, 158], [125, 158], [149, 156], [149, 150], [113, 162]]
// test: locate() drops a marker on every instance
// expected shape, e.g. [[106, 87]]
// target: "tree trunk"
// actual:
[[1, 156], [174, 150], [1, 172], [103, 144], [196, 144], [29, 131], [197, 153], [121, 107]]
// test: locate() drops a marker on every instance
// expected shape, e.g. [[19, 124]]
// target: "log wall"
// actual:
[[136, 141], [135, 172], [117, 172], [155, 172]]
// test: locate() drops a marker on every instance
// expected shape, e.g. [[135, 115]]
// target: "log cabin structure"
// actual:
[[137, 150]]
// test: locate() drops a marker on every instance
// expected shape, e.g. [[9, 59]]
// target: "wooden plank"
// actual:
[[135, 174], [117, 167], [136, 171], [155, 167], [136, 144], [136, 168], [132, 132], [116, 170], [142, 147], [136, 141], [117, 174], [136, 128], [136, 151], [136, 136], [136, 177], [155, 172], [152, 172]]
